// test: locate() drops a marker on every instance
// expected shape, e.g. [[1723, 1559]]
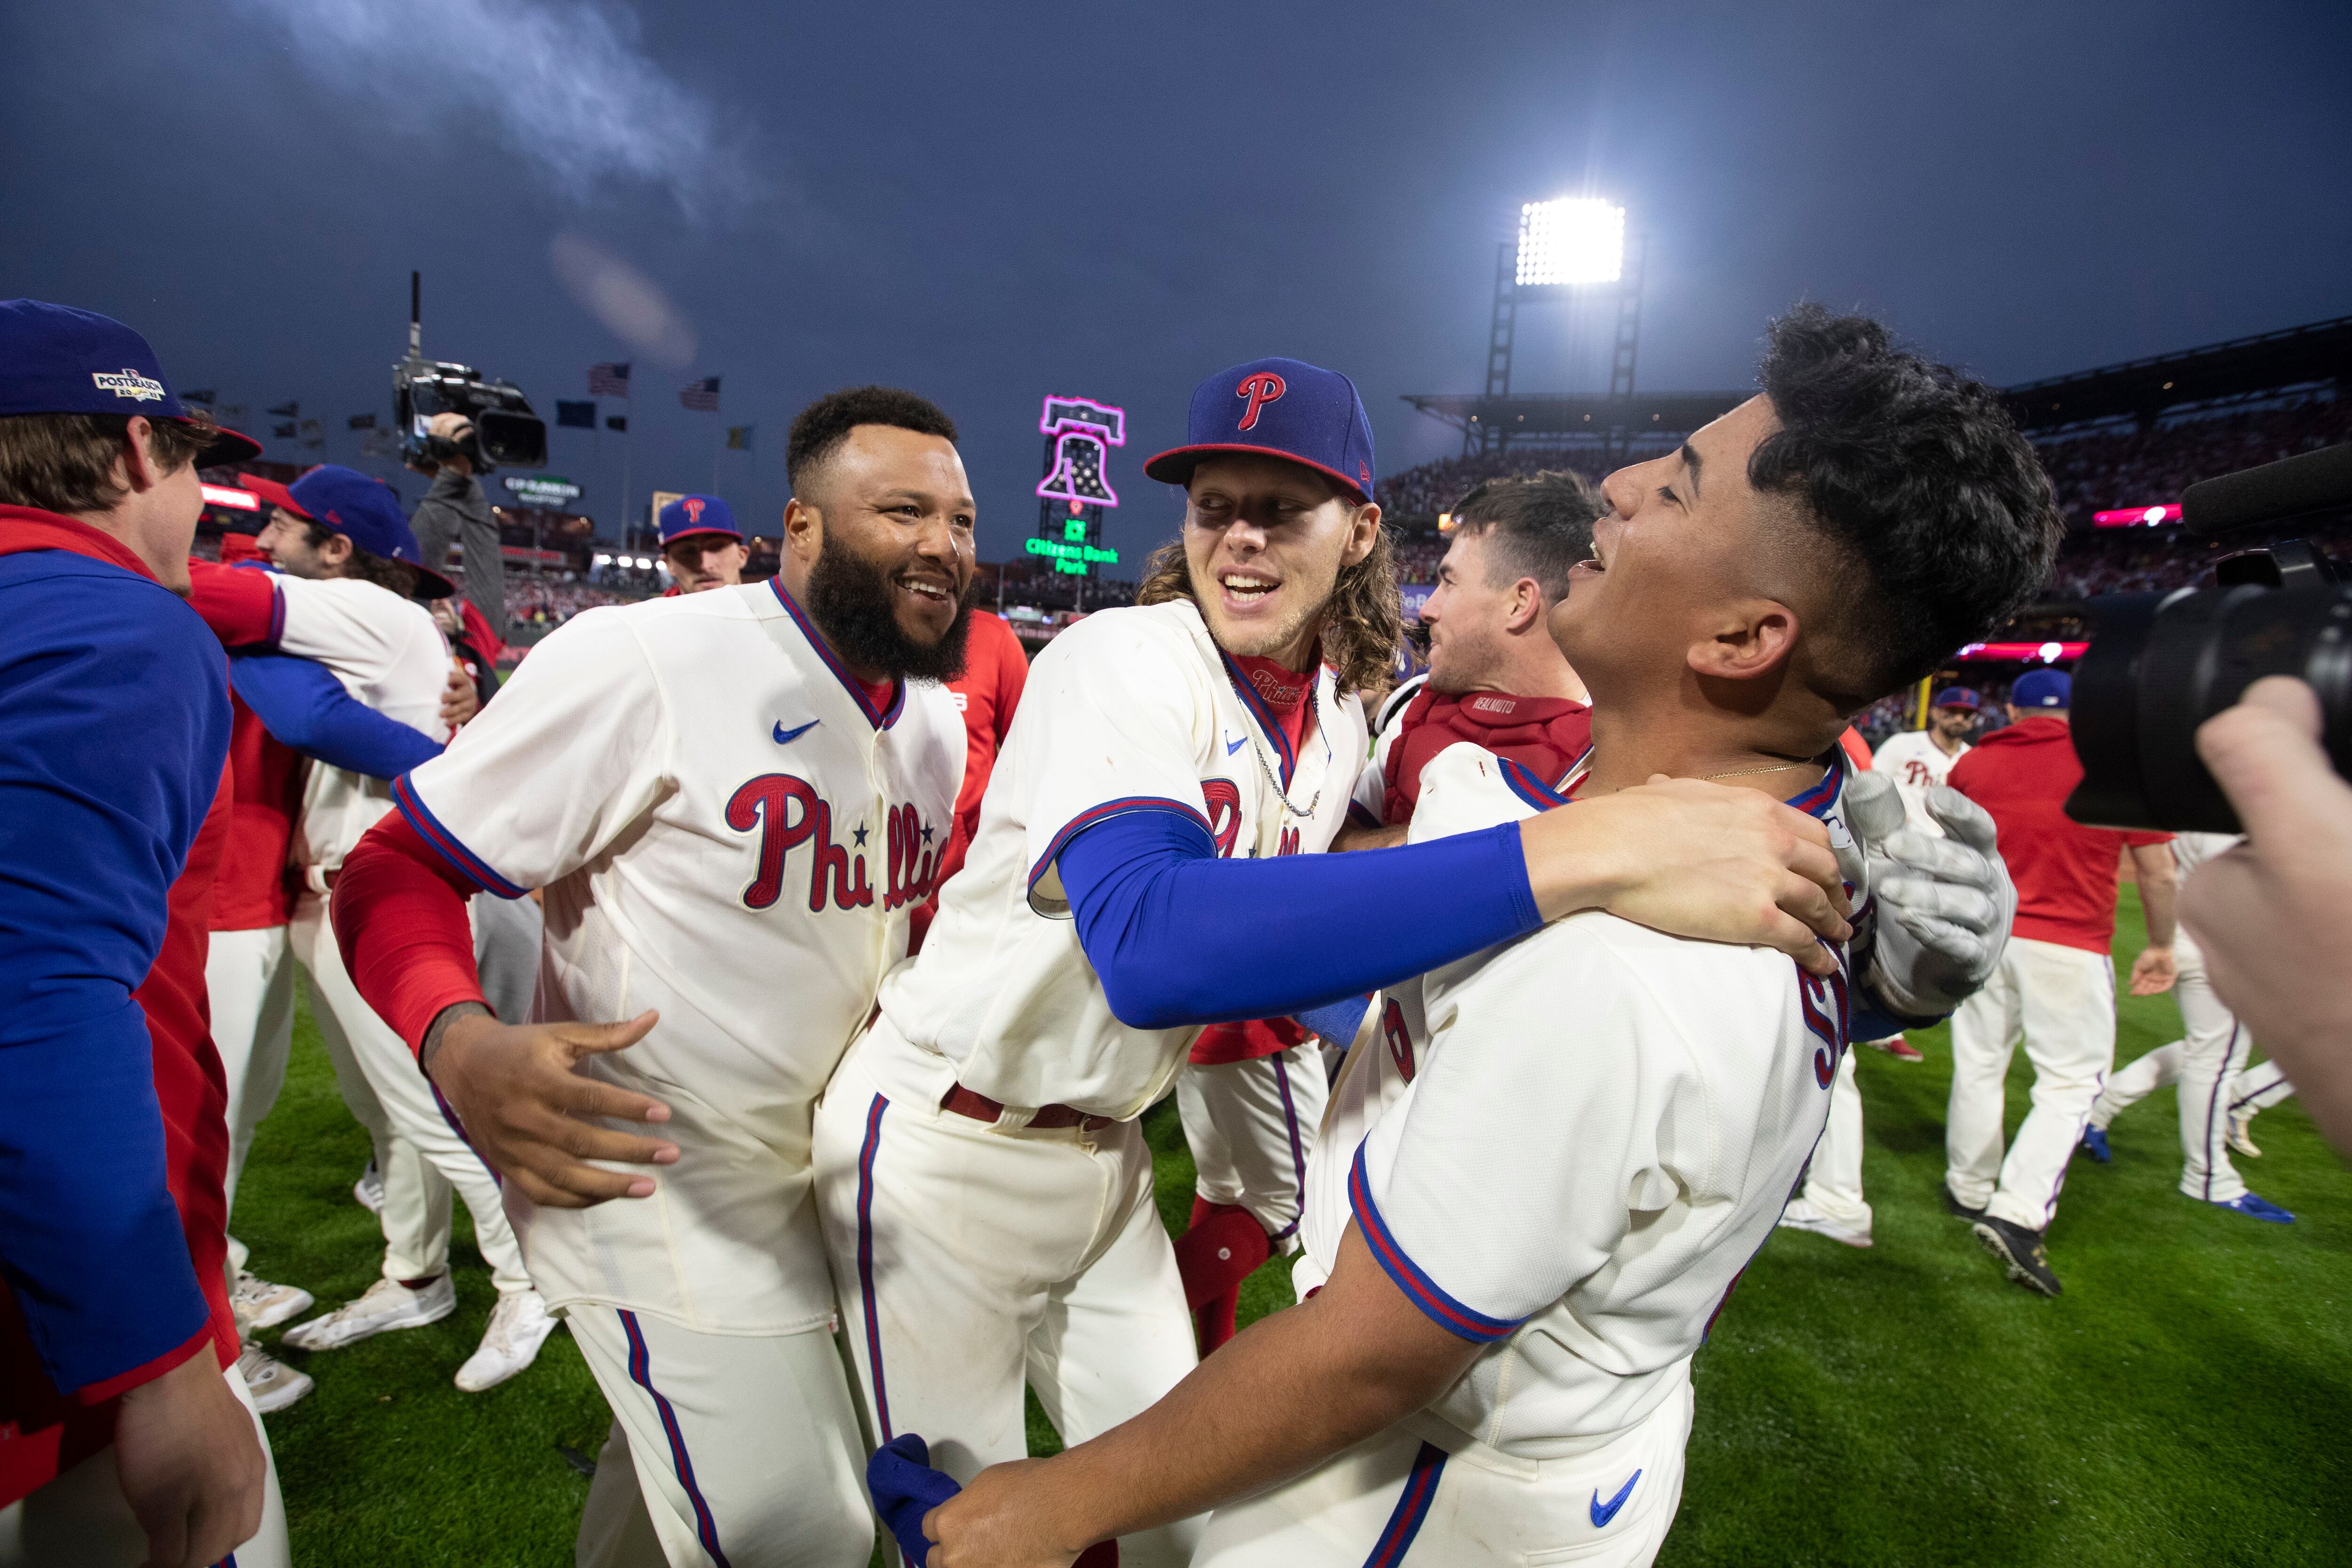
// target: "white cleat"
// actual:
[[388, 1304], [368, 1191], [259, 1304], [1802, 1215], [519, 1326], [273, 1385], [2241, 1134]]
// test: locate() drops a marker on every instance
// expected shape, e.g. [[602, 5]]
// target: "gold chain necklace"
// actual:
[[1742, 773]]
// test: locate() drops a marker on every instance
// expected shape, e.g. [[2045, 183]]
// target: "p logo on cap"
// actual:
[[1288, 409], [1261, 389]]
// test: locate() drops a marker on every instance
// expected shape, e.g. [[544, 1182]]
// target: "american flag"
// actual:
[[608, 380], [702, 396]]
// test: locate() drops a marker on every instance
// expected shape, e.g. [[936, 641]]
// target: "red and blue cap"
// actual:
[[363, 511], [2042, 688], [1958, 696], [55, 359], [1276, 408], [690, 515]]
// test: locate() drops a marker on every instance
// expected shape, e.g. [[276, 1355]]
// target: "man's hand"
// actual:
[[1694, 859], [531, 1113], [191, 1465], [1356, 835], [2153, 972], [1944, 905], [2273, 916], [1006, 1519], [460, 700]]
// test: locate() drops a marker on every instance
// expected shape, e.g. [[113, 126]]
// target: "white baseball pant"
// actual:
[[1251, 1125], [1833, 1179], [419, 1149], [2207, 1063], [2061, 1001], [1400, 1498], [2259, 1087], [738, 1449], [249, 991], [81, 1520], [971, 1258]]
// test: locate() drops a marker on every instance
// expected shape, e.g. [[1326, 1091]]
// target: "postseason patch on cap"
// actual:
[[129, 383]]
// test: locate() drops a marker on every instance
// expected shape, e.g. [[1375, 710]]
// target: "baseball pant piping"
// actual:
[[2061, 1002], [249, 991], [1833, 1179], [2206, 1063], [1251, 1125], [421, 1152], [2259, 1087]]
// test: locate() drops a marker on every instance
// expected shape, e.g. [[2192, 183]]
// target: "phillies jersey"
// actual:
[[1130, 710], [728, 831], [1578, 1185], [1916, 764]]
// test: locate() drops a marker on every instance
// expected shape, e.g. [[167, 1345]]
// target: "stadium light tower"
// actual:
[[1568, 244]]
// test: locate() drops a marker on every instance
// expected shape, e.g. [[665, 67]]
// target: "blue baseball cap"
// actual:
[[55, 359], [2042, 688], [1958, 696], [696, 515], [1281, 408], [365, 511]]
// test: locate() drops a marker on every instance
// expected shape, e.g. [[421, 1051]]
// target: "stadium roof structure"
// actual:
[[2242, 370]]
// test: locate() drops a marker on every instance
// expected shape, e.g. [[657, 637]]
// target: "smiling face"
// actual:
[[285, 539], [1468, 617], [890, 515], [1265, 539]]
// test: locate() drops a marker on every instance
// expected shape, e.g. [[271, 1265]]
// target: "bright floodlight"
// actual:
[[1576, 239]]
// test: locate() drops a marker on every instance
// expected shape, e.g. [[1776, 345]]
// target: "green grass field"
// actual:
[[2189, 1400]]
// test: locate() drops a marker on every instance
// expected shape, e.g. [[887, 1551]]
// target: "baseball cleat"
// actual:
[[388, 1304], [1896, 1045], [1802, 1215], [259, 1304], [368, 1191], [2241, 1134], [519, 1326], [273, 1385], [2256, 1209], [2020, 1249], [2095, 1144], [1958, 1209]]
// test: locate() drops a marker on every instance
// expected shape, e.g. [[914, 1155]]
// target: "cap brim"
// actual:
[[703, 533], [430, 584], [228, 446], [275, 494], [1175, 466]]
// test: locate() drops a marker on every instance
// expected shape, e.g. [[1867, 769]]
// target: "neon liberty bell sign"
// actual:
[[1077, 474]]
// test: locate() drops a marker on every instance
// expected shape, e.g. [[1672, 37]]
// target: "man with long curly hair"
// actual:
[[1148, 863]]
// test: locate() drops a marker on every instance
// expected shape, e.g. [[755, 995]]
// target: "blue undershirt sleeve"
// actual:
[[1180, 937], [300, 703]]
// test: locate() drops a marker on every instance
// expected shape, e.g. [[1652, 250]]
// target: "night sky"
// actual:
[[990, 203]]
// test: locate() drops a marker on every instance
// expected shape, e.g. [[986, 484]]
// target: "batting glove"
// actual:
[[1944, 905]]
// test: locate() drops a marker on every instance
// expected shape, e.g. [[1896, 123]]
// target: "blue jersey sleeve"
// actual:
[[1179, 936], [113, 727], [300, 703]]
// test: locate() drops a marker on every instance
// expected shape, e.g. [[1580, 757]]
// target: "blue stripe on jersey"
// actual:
[[1524, 784], [453, 849], [1119, 808], [880, 720], [1263, 712], [1453, 1316]]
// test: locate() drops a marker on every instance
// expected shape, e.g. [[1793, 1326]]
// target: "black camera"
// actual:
[[504, 430], [2161, 664]]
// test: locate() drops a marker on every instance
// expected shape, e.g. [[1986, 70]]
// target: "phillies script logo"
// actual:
[[1224, 798], [1828, 1013], [692, 506], [1261, 389], [786, 813]]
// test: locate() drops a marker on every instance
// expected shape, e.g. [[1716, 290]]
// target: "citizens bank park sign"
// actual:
[[541, 489]]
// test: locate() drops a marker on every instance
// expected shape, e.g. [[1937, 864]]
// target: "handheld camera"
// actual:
[[504, 430]]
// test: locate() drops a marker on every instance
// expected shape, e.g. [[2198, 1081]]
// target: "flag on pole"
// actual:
[[701, 396], [287, 410], [575, 415], [739, 437], [360, 422], [619, 422], [608, 380]]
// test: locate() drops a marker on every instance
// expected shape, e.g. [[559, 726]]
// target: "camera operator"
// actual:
[[2274, 915], [455, 508]]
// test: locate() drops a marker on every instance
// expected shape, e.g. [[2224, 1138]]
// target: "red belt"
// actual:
[[980, 1108]]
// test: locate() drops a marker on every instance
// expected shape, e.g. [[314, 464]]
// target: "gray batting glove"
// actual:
[[1944, 905]]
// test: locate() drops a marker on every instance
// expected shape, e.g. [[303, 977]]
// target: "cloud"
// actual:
[[631, 305], [570, 87]]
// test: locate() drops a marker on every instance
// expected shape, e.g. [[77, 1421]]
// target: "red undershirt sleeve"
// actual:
[[400, 920], [240, 604]]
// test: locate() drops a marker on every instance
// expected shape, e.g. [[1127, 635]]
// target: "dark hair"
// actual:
[[65, 462], [1539, 526], [366, 565], [1916, 474], [819, 429]]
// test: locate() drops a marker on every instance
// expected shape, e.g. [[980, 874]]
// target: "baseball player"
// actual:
[[346, 562], [2055, 986], [732, 801], [1493, 1362], [2208, 1063], [1921, 759], [700, 545], [987, 1198], [126, 1434]]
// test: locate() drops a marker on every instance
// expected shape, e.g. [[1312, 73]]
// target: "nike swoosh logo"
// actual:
[[786, 737], [1232, 746], [1602, 1512]]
